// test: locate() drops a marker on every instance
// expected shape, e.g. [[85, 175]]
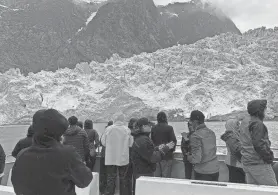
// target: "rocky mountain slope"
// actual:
[[192, 21], [51, 34], [217, 75], [36, 34], [125, 27]]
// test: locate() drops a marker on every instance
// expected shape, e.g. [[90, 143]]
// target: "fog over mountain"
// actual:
[[245, 14]]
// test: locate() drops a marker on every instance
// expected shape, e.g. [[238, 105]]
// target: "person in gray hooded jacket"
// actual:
[[257, 157]]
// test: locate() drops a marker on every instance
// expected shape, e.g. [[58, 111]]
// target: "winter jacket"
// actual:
[[2, 159], [117, 140], [203, 148], [49, 168], [93, 139], [24, 143], [145, 155], [162, 133], [234, 148], [255, 142], [21, 144], [185, 147], [78, 138]]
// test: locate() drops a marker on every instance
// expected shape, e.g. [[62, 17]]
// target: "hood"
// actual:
[[137, 132], [72, 130], [49, 123], [44, 141], [256, 106], [227, 135]]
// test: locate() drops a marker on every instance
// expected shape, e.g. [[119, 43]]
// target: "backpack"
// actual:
[[92, 149]]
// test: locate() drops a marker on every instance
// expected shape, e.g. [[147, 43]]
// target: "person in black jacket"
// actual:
[[48, 167], [93, 142], [144, 154], [25, 142], [2, 162], [186, 151], [131, 187], [163, 133]]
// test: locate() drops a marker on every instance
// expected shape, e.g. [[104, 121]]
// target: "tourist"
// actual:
[[25, 142], [163, 133], [257, 157], [233, 157], [2, 162], [117, 141], [93, 142], [203, 149], [131, 187], [144, 154], [102, 167], [80, 124], [78, 138], [186, 151], [48, 167]]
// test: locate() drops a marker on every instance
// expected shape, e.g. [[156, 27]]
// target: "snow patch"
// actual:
[[90, 18]]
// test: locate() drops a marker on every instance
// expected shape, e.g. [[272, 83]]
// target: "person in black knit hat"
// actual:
[[48, 167]]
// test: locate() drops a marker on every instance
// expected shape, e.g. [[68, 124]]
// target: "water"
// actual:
[[10, 135]]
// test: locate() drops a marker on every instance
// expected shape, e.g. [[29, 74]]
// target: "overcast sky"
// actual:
[[246, 14]]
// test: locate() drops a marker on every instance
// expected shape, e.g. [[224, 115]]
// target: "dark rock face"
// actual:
[[193, 21], [51, 34], [124, 27], [36, 35]]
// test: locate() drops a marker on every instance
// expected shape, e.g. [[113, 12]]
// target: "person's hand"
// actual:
[[160, 147], [171, 145], [189, 158]]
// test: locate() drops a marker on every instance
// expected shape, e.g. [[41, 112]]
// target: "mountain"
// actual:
[[36, 34], [192, 21], [47, 35], [125, 27], [217, 75]]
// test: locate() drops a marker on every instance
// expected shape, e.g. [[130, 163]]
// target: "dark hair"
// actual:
[[109, 124], [257, 108], [73, 120], [260, 114], [30, 132], [131, 123], [80, 124], [88, 124], [162, 117], [197, 115]]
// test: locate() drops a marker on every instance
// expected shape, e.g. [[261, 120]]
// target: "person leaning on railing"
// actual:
[[186, 151], [233, 158], [257, 156], [203, 149], [2, 162]]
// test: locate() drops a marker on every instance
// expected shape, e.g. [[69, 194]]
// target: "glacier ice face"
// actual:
[[216, 75]]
